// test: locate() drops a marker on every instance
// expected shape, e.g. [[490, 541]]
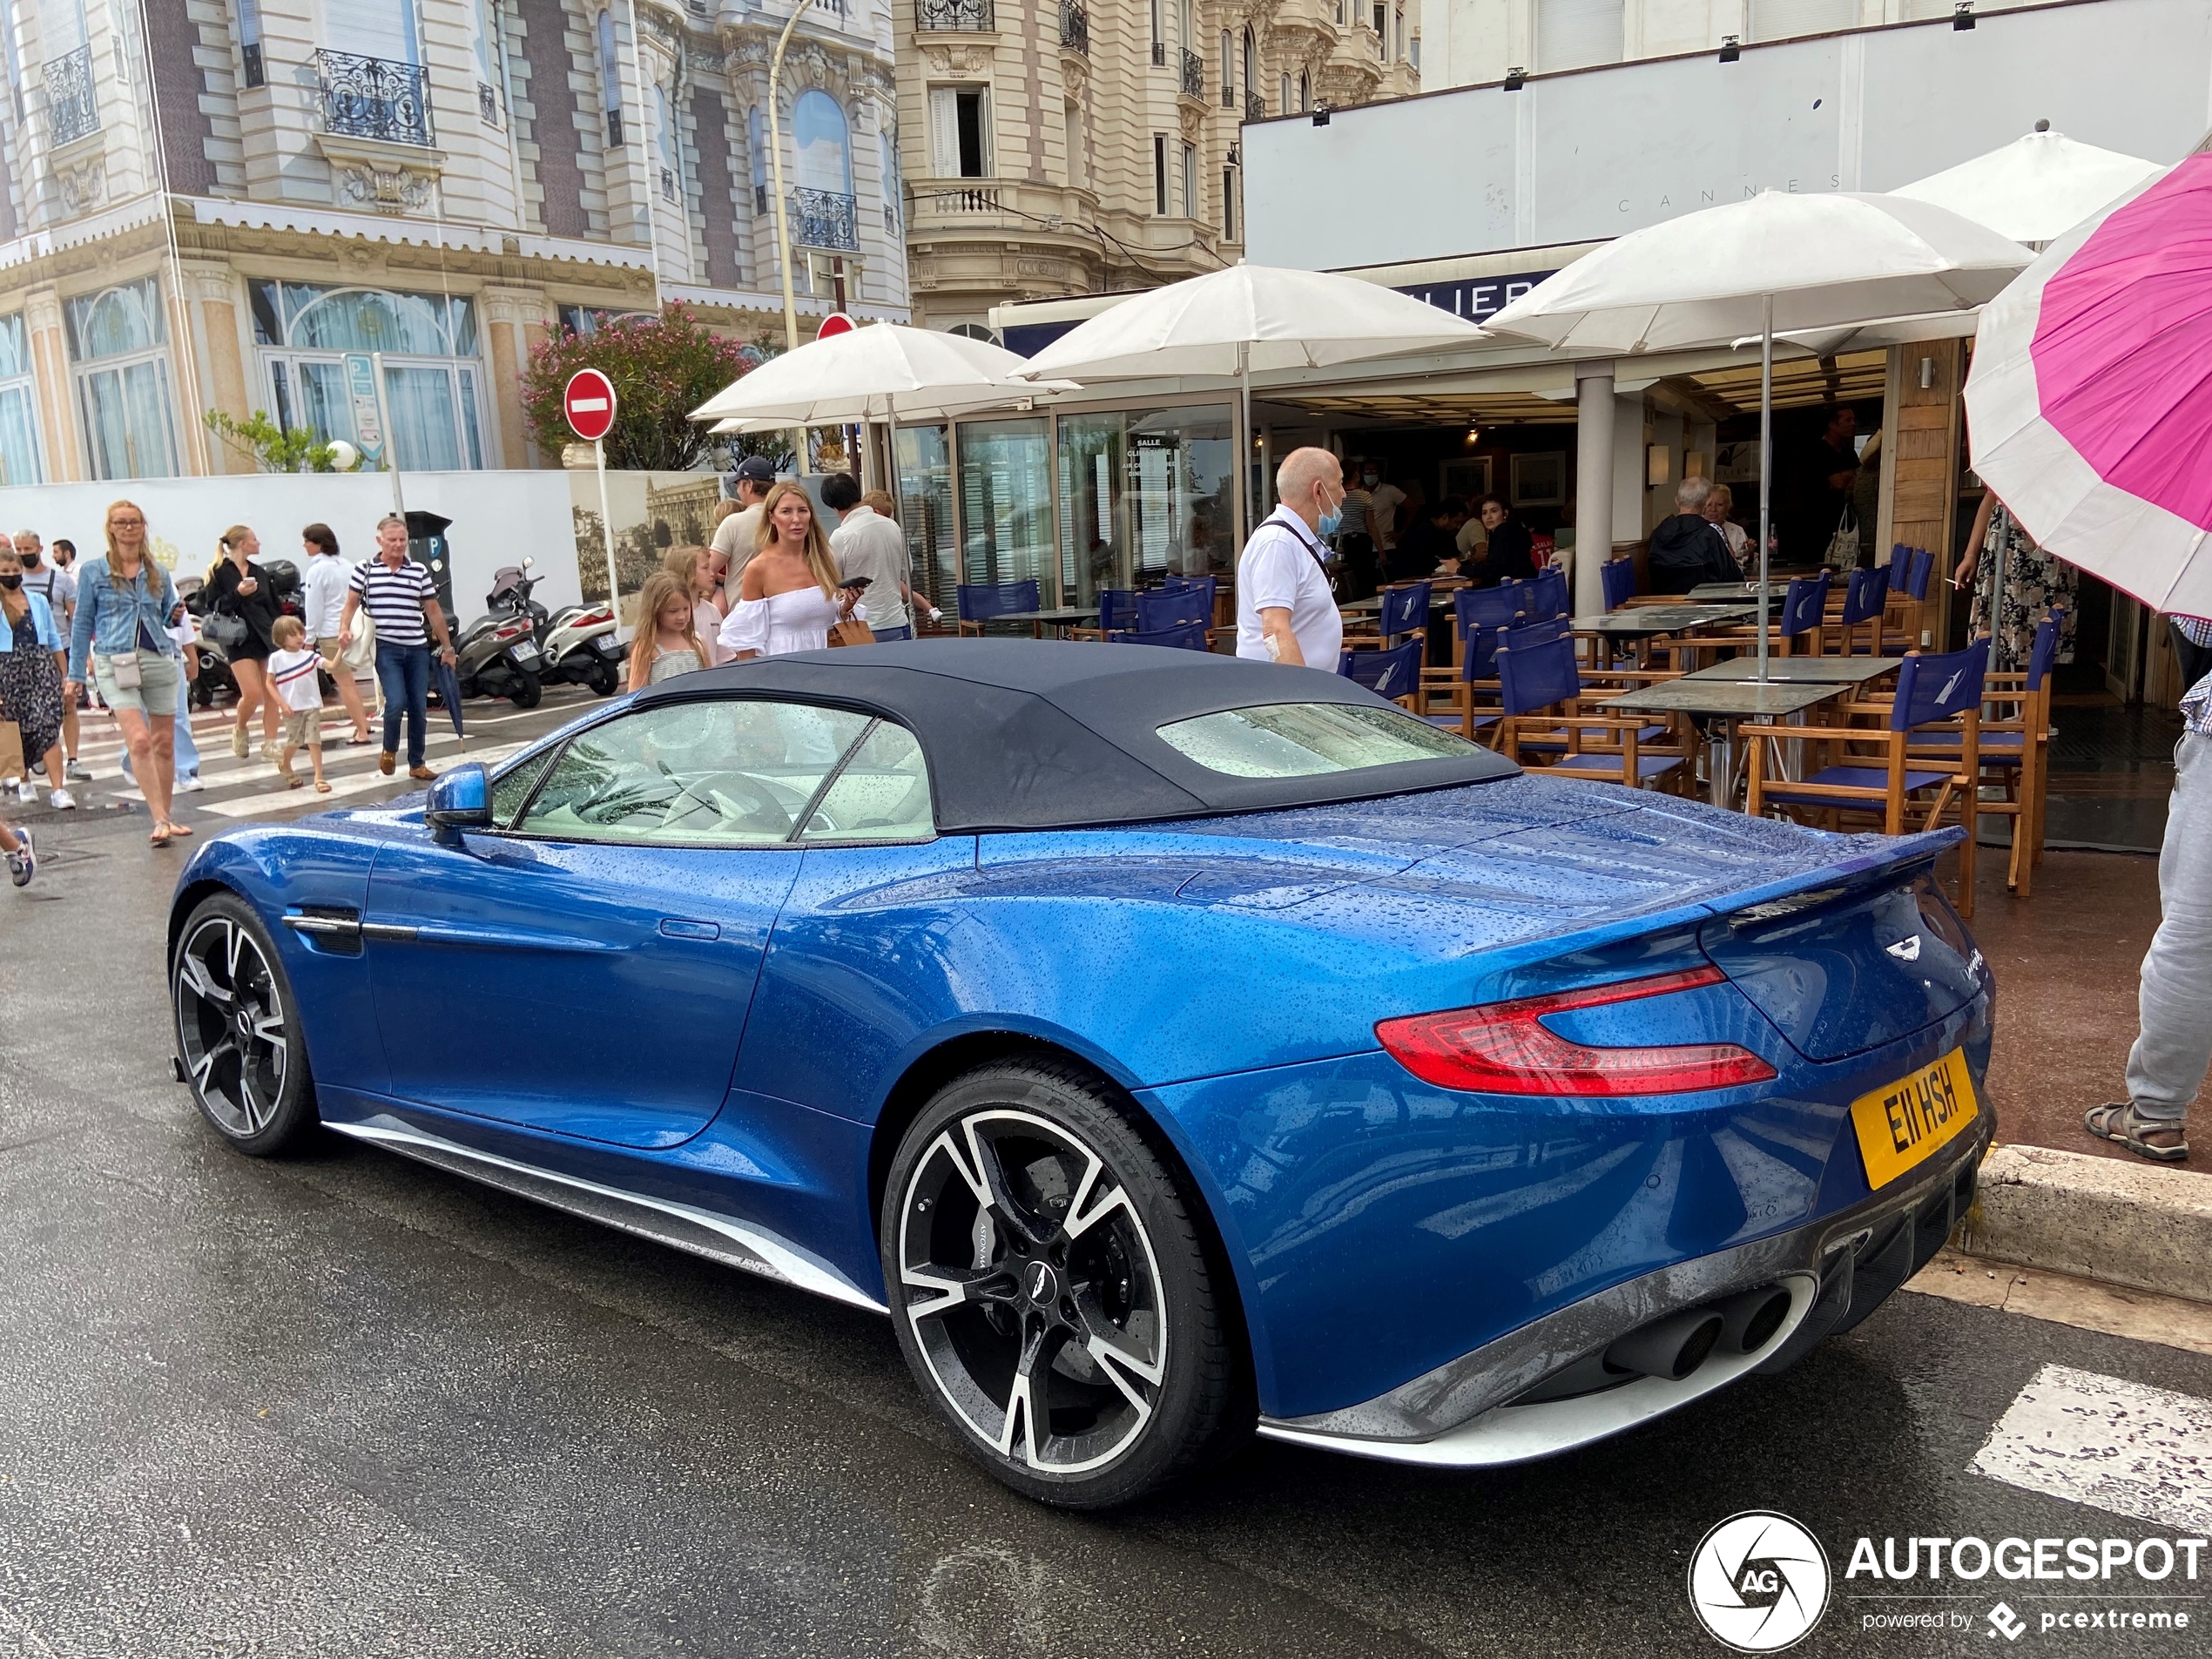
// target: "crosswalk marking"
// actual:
[[2115, 1445], [284, 800]]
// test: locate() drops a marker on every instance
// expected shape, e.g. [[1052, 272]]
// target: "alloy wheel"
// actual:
[[230, 1028], [1033, 1292]]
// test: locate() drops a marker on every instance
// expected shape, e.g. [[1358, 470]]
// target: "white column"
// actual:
[[1593, 484]]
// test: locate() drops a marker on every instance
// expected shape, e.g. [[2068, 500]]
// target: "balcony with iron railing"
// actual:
[[1255, 107], [1228, 96], [970, 17], [824, 219], [1075, 27], [373, 97], [1194, 76], [72, 102], [1159, 54]]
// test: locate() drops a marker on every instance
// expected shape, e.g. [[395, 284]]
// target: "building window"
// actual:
[[672, 161], [1398, 20], [610, 80], [1078, 172], [1228, 203], [1413, 54], [249, 41], [588, 320], [1283, 91], [1228, 72], [432, 366], [1381, 15], [1783, 19], [757, 142], [823, 209], [19, 462], [1189, 181], [1304, 94], [1251, 66], [1574, 34], [960, 132], [894, 190], [119, 339], [483, 41], [1160, 174], [1159, 38]]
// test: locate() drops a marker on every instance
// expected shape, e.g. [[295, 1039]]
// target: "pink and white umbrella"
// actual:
[[2089, 403]]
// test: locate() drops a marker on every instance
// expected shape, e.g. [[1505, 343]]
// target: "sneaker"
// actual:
[[26, 791], [23, 863], [193, 785], [77, 771], [61, 801], [238, 742]]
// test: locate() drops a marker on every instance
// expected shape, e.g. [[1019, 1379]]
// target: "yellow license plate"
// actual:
[[1904, 1122]]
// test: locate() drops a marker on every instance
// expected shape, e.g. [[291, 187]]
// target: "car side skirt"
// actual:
[[1837, 1270], [721, 1238]]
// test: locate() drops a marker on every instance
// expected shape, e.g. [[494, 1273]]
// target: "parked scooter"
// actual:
[[499, 653], [581, 648], [214, 674]]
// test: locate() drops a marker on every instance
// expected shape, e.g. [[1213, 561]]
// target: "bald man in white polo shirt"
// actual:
[[1286, 611]]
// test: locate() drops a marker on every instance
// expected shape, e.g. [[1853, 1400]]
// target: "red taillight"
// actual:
[[1505, 1048], [510, 630]]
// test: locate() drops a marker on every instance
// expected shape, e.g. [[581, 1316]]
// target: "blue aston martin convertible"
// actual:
[[1171, 1045]]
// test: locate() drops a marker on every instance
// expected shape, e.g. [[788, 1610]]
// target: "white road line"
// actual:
[[2115, 1445], [287, 800]]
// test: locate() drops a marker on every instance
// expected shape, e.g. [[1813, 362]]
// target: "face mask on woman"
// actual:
[[10, 583]]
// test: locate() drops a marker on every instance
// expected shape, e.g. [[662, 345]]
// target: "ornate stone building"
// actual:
[[1056, 147], [232, 204]]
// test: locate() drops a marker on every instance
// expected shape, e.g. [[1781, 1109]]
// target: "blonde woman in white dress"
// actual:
[[789, 598]]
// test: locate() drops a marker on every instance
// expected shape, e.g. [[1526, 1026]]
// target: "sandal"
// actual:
[[160, 836], [177, 831], [321, 788], [2121, 1123]]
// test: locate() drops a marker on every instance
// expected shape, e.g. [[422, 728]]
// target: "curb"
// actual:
[[2138, 1225]]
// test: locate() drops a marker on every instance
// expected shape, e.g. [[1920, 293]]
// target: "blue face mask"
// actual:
[[1331, 521]]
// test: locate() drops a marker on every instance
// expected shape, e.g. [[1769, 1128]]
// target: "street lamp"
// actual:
[[783, 209]]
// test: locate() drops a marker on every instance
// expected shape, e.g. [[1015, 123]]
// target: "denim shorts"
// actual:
[[156, 692]]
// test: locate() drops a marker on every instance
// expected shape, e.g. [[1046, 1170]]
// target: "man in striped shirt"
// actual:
[[402, 602], [2174, 1048]]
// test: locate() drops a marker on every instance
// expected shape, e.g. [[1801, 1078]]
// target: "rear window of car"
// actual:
[[1304, 739]]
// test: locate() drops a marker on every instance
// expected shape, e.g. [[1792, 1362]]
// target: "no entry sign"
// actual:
[[836, 323], [590, 404]]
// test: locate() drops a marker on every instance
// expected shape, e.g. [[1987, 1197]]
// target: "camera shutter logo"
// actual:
[[1758, 1581]]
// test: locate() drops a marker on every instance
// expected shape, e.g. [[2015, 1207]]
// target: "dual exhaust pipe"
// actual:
[[1677, 1346]]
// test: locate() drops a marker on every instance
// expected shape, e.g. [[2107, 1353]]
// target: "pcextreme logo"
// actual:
[[1758, 1581]]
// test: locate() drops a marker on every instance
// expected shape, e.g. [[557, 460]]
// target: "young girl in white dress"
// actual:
[[789, 598]]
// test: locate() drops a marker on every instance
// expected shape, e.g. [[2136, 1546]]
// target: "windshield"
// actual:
[[1303, 740]]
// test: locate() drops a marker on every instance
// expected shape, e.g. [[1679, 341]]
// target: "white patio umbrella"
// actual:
[[885, 371], [1229, 323], [1776, 263], [2034, 189]]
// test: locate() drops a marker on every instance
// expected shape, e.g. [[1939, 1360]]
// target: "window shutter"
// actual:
[[1785, 19], [1573, 34], [944, 131], [382, 29]]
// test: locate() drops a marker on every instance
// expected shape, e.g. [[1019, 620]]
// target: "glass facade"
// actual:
[[1006, 517], [1144, 495], [18, 408], [926, 507], [433, 370], [119, 339]]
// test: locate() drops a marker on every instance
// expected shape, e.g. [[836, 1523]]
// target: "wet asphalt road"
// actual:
[[348, 1405]]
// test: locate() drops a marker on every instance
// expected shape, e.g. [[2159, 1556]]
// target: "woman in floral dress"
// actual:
[[2033, 583]]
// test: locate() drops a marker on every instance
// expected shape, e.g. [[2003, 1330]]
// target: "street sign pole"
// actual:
[[607, 531], [391, 440]]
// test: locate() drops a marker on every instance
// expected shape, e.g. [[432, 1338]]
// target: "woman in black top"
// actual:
[[1511, 556], [237, 587]]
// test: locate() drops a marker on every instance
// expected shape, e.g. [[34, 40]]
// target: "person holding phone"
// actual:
[[791, 594], [868, 543], [240, 589]]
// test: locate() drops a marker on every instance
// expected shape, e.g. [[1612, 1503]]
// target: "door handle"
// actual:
[[677, 927]]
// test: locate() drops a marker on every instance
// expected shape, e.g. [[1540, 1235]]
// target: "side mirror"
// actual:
[[460, 799]]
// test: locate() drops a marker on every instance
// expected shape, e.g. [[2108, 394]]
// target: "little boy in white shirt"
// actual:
[[291, 670]]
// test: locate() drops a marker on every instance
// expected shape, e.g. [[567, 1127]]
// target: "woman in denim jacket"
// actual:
[[121, 633]]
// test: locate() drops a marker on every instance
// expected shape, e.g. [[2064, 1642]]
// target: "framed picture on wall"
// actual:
[[1467, 478], [1539, 480]]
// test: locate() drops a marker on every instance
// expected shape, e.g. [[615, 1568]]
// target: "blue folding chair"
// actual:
[[977, 605], [1549, 595], [1804, 609], [1404, 612], [1619, 577], [1188, 636], [1934, 694], [1540, 686], [1173, 608], [1866, 597], [1395, 673], [1477, 615], [1117, 615], [1192, 584]]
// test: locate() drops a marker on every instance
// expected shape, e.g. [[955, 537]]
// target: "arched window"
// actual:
[[610, 79], [1283, 93], [1304, 94], [819, 135], [1228, 69], [1251, 66], [973, 330]]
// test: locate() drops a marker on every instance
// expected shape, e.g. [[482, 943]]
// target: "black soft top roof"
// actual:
[[1023, 734]]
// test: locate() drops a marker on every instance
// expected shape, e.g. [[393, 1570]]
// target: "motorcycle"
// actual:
[[498, 653], [214, 674], [581, 648]]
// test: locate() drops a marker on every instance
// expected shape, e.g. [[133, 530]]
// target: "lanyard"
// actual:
[[1295, 525]]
